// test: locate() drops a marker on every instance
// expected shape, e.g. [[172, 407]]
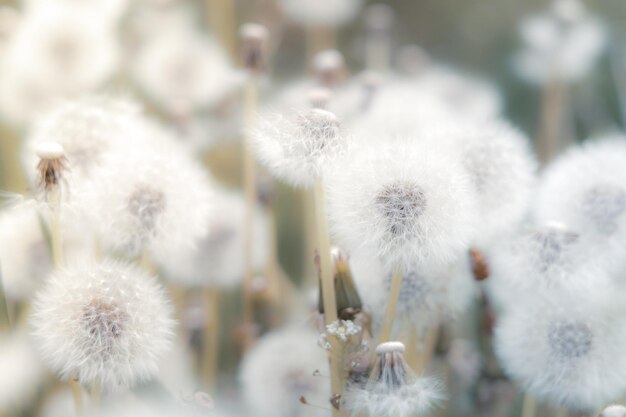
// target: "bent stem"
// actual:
[[211, 345], [249, 185], [328, 291], [390, 314], [529, 406]]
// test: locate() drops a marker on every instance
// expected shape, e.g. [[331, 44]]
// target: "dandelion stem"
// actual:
[[55, 226], [390, 314], [249, 178], [551, 127], [77, 395], [328, 289], [529, 406], [211, 345], [430, 342]]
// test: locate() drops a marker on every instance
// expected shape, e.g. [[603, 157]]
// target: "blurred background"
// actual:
[[475, 37]]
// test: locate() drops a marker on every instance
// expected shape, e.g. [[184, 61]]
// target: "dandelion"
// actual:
[[298, 148], [217, 258], [565, 352], [57, 50], [582, 189], [562, 43], [142, 203], [393, 390], [549, 258], [106, 324], [404, 202], [502, 171], [281, 369], [183, 71], [87, 129]]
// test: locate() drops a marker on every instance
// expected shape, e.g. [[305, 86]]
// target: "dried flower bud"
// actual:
[[480, 268], [51, 165], [254, 39], [329, 67]]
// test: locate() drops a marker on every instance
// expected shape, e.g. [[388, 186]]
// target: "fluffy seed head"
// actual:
[[583, 189], [105, 323], [566, 352], [297, 148], [184, 71], [404, 202], [22, 370], [217, 258], [141, 201]]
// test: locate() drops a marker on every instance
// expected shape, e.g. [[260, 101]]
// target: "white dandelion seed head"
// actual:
[[22, 370], [428, 295], [217, 258], [321, 12], [183, 71], [563, 43], [502, 170], [407, 202], [550, 259], [106, 323], [297, 148], [567, 352], [141, 200], [66, 46], [393, 390], [282, 368], [25, 260], [614, 411], [86, 129], [583, 189]]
